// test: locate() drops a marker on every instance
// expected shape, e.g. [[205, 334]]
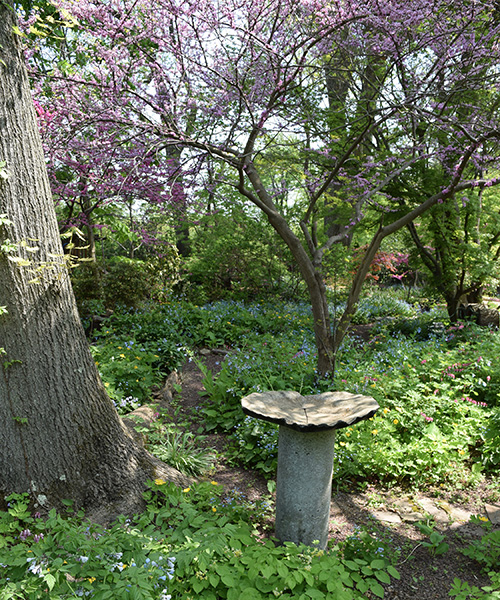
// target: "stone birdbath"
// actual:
[[307, 427]]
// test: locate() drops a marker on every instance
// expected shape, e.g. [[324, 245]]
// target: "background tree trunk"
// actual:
[[60, 436]]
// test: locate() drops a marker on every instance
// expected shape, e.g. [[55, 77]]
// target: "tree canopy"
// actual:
[[368, 96]]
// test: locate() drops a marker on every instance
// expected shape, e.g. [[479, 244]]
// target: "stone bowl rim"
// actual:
[[311, 427]]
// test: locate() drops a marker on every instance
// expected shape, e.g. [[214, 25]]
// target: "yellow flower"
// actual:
[[347, 434], [395, 421], [136, 367], [214, 509], [160, 482], [386, 410], [122, 355], [91, 579], [483, 519], [138, 357], [120, 348], [214, 483], [106, 384], [374, 431], [342, 443], [186, 490]]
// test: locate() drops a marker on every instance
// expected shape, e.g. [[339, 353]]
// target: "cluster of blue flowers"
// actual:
[[163, 565]]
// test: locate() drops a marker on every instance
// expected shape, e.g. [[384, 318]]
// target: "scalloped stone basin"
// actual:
[[330, 410], [305, 455]]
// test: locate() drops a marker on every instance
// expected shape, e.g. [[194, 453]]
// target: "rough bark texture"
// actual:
[[60, 436]]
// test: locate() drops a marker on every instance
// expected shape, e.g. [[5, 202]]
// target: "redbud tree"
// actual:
[[365, 95]]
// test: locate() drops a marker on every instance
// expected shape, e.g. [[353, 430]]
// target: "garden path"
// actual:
[[388, 515]]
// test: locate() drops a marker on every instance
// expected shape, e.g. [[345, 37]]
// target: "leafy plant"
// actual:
[[436, 544], [256, 444], [490, 451], [68, 557], [485, 551], [436, 423], [6, 246], [128, 369], [461, 590], [194, 542], [218, 557], [365, 543]]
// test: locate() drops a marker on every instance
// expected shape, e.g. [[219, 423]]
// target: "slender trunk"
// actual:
[[89, 226], [452, 304], [317, 293], [322, 328], [311, 273], [356, 287]]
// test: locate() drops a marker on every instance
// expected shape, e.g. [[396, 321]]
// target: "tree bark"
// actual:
[[60, 436]]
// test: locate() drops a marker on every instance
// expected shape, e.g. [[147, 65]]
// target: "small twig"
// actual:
[[403, 562]]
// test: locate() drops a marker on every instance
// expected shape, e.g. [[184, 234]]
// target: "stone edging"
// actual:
[[408, 510], [145, 414]]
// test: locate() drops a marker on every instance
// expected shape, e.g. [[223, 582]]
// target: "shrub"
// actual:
[[122, 282], [485, 551], [234, 257], [126, 282], [67, 557], [435, 397], [437, 392], [490, 451], [219, 557], [128, 370]]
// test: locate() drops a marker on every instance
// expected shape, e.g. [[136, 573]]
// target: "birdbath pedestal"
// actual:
[[306, 443]]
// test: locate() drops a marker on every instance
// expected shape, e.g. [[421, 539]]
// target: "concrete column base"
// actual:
[[304, 485]]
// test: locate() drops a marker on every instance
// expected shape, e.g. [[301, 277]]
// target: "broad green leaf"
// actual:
[[377, 589], [382, 576]]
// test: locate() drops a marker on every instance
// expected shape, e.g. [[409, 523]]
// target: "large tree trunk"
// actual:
[[60, 436]]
